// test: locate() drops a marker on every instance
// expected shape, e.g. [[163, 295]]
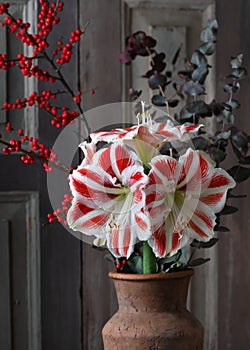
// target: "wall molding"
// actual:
[[10, 203]]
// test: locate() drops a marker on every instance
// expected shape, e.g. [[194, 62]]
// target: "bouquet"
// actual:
[[150, 190]]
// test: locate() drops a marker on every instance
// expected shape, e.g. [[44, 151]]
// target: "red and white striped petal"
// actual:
[[121, 240], [89, 150], [176, 133], [166, 241], [124, 231], [87, 220], [202, 223], [215, 194], [114, 135]]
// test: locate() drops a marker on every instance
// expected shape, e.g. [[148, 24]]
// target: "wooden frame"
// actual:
[[30, 114], [18, 208]]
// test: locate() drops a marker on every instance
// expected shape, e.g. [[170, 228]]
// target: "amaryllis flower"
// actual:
[[173, 133], [183, 197], [109, 199], [150, 132]]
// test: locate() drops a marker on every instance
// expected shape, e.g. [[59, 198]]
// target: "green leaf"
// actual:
[[225, 117], [221, 229], [240, 73], [198, 261], [222, 135], [209, 244], [200, 143], [171, 259], [231, 195], [236, 62], [207, 35], [134, 265], [217, 154], [157, 80], [228, 210], [239, 173], [159, 100], [234, 104], [245, 161], [207, 49], [109, 257], [232, 88], [173, 103], [199, 74], [192, 88], [199, 59]]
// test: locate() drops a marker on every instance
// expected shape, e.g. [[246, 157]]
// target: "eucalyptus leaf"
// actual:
[[192, 88], [198, 262], [157, 80], [200, 143], [239, 73], [217, 154], [221, 229], [173, 103], [209, 244], [171, 259], [236, 62], [109, 257], [207, 35], [159, 100], [232, 88], [239, 173], [234, 104], [226, 117], [231, 195], [199, 74], [228, 210], [207, 48], [195, 108], [245, 161], [199, 59]]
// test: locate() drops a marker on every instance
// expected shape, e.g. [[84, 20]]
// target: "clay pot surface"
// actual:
[[152, 314]]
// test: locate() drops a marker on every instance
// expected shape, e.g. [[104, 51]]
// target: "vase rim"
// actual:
[[151, 276]]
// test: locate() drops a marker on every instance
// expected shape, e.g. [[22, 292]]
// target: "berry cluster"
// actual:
[[120, 264], [64, 118], [4, 8], [61, 213], [30, 148], [37, 150], [61, 116], [67, 49], [4, 63]]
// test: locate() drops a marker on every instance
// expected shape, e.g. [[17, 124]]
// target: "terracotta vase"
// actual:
[[152, 314]]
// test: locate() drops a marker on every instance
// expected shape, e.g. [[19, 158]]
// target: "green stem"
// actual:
[[149, 259]]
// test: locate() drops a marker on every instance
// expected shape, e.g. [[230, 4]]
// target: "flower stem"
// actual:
[[149, 259]]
